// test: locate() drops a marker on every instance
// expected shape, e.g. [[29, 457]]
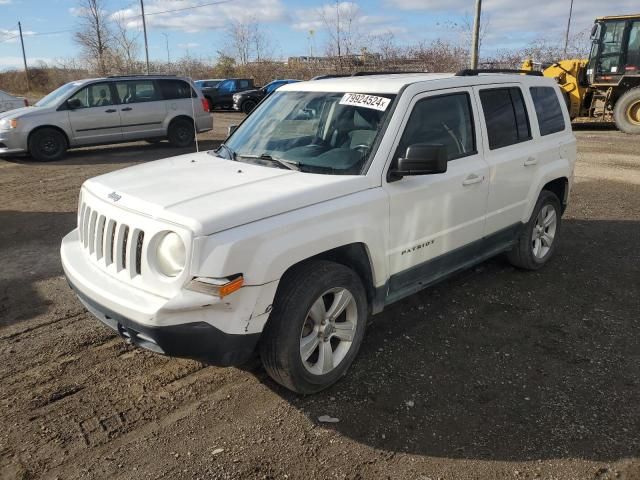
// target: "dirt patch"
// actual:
[[495, 373]]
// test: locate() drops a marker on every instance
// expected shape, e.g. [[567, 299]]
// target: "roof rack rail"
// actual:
[[143, 75], [471, 72], [385, 72]]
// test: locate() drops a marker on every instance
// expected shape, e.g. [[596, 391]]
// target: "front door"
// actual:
[[432, 217], [142, 109], [94, 115]]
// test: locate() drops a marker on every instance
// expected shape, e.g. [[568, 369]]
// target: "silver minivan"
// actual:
[[107, 110]]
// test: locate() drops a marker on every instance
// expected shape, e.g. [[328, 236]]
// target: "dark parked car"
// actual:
[[221, 94], [247, 101]]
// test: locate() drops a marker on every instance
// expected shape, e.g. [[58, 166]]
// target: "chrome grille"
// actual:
[[109, 242]]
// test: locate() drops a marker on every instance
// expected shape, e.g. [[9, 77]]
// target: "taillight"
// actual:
[[205, 104], [26, 102]]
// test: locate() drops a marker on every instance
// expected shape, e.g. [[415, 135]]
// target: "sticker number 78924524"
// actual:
[[365, 100]]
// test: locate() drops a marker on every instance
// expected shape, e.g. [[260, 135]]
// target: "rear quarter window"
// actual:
[[548, 110], [173, 89], [505, 116]]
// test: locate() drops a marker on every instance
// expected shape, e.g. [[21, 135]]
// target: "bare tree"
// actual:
[[248, 41], [341, 23], [125, 42], [94, 35]]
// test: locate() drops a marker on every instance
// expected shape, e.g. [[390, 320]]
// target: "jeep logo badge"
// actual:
[[114, 196]]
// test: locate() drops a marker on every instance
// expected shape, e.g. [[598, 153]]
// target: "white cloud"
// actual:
[[513, 19], [5, 2], [13, 36], [204, 18], [313, 19]]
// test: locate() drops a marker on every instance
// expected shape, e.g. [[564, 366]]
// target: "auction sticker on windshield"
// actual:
[[364, 100]]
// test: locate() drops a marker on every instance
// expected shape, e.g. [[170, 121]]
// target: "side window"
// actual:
[[443, 120], [548, 110], [506, 116], [96, 95], [244, 84], [226, 86], [137, 91], [174, 89], [633, 52]]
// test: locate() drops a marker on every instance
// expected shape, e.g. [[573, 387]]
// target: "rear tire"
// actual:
[[247, 106], [538, 240], [306, 346], [181, 133], [47, 145], [626, 112]]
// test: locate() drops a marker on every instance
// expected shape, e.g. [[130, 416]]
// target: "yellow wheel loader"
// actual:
[[607, 85]]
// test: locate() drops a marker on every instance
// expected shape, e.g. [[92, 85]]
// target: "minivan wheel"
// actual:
[[47, 145], [316, 326], [181, 133], [247, 106], [539, 238]]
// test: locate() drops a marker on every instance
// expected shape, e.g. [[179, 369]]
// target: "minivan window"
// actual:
[[174, 89], [548, 110], [506, 116], [137, 91], [443, 120], [95, 95]]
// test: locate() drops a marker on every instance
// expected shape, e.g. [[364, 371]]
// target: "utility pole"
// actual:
[[566, 36], [475, 40], [24, 56], [144, 28], [166, 39]]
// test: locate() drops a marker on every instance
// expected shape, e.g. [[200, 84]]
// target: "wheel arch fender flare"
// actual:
[[53, 127], [180, 116], [550, 178]]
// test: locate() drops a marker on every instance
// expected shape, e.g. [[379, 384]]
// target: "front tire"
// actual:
[[47, 145], [538, 240], [316, 326], [247, 106], [181, 133], [626, 112]]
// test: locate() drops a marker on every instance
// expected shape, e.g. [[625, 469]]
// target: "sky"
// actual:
[[48, 24]]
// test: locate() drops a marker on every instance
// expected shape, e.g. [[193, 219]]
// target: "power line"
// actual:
[[188, 8]]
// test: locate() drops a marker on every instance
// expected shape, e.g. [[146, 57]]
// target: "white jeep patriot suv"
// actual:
[[333, 199]]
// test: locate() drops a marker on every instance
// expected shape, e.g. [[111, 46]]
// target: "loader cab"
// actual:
[[615, 51]]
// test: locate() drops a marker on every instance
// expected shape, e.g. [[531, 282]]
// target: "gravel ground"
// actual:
[[494, 374]]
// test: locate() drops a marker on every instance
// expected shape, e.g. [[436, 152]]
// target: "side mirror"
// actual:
[[74, 103], [421, 159], [231, 129]]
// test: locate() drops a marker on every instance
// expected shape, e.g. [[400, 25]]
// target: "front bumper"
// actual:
[[185, 324], [12, 141], [198, 340]]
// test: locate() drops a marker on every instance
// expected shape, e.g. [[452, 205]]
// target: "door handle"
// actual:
[[530, 161], [111, 110], [471, 179], [127, 109]]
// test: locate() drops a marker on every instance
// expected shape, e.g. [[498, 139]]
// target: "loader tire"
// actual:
[[626, 112]]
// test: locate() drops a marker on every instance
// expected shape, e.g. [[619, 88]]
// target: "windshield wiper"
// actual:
[[277, 161]]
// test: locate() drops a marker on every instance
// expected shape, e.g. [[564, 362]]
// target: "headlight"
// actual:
[[8, 123], [236, 96], [171, 254]]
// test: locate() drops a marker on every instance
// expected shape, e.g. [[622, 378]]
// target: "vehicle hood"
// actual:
[[209, 194], [19, 112], [254, 92]]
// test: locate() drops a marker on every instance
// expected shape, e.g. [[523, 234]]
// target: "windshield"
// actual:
[[319, 132], [54, 97]]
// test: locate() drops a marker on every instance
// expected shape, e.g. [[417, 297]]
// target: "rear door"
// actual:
[[142, 109], [511, 153], [95, 116], [433, 216]]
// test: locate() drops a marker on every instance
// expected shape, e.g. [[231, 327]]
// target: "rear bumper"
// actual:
[[198, 340]]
